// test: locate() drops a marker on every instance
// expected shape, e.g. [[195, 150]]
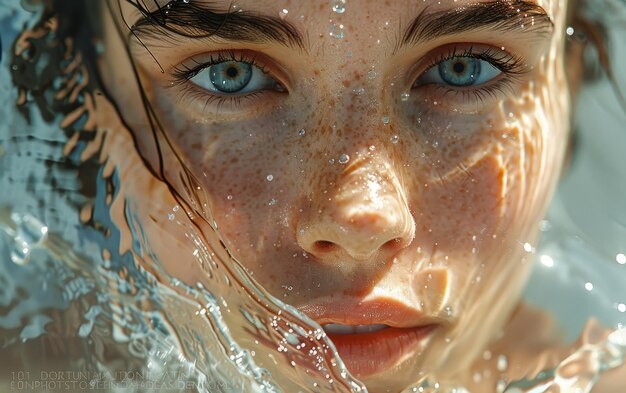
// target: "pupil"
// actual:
[[458, 67], [232, 72]]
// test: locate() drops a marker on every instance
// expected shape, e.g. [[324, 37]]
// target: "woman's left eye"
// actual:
[[234, 78], [459, 71]]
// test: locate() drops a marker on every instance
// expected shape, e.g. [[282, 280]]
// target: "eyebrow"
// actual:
[[193, 20], [499, 15]]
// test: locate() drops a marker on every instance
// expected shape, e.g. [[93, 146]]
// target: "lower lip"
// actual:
[[371, 353]]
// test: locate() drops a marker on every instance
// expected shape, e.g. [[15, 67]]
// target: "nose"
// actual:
[[365, 217]]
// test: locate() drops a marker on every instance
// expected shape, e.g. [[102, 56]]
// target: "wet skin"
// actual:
[[423, 202]]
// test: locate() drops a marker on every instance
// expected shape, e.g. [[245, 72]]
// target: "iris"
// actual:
[[230, 76], [460, 71]]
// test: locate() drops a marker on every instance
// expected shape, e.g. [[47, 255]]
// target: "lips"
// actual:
[[374, 336]]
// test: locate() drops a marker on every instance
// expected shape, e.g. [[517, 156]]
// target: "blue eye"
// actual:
[[460, 71], [234, 77]]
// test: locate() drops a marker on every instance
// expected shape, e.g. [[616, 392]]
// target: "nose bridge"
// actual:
[[366, 214]]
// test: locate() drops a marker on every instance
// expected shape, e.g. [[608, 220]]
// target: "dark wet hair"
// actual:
[[80, 21]]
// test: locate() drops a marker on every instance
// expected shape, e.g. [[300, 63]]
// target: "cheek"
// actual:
[[248, 172], [465, 204], [483, 188]]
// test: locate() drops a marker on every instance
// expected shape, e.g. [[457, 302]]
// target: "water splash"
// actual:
[[580, 371]]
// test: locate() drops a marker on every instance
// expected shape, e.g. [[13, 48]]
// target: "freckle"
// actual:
[[346, 83], [316, 72], [234, 160], [196, 146]]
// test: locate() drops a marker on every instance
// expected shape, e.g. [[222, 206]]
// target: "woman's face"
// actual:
[[368, 163]]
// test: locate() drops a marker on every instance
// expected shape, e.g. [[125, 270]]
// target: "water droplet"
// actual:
[[546, 260], [621, 259], [588, 286], [302, 132], [331, 161], [283, 13], [448, 310], [394, 139], [336, 30], [344, 158], [176, 208], [569, 31], [272, 202], [502, 363], [29, 232], [435, 144], [170, 216], [339, 6], [270, 177], [621, 307], [372, 148], [186, 1], [405, 97], [528, 247], [371, 75], [500, 386], [229, 197], [386, 119]]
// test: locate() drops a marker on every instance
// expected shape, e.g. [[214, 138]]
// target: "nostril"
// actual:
[[392, 244], [324, 246]]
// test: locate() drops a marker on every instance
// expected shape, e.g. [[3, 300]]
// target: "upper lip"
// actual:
[[357, 312]]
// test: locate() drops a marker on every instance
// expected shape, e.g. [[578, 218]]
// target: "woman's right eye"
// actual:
[[234, 77]]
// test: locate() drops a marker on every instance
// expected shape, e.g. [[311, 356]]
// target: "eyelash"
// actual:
[[183, 73], [511, 66]]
